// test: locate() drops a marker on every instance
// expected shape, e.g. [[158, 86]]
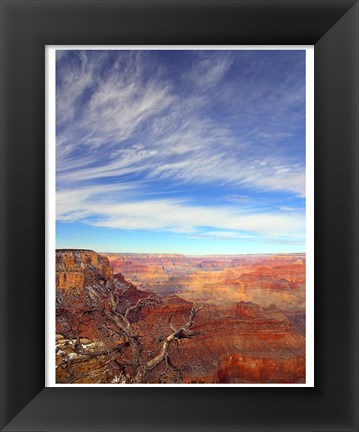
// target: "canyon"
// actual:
[[262, 279], [251, 328]]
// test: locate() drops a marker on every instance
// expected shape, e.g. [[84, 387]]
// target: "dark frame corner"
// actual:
[[26, 27]]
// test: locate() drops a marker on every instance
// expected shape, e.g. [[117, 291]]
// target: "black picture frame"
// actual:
[[26, 27]]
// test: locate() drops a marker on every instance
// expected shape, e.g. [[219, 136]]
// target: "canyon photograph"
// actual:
[[181, 217]]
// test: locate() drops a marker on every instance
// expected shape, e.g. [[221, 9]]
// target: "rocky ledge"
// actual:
[[77, 268]]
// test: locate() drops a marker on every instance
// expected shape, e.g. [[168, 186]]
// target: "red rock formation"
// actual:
[[242, 329], [245, 369], [80, 267], [262, 279], [247, 310], [233, 343], [77, 271], [283, 277]]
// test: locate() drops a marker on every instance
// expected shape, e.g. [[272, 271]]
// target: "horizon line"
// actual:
[[181, 253]]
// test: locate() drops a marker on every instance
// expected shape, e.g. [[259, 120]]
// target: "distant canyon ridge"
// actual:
[[262, 279]]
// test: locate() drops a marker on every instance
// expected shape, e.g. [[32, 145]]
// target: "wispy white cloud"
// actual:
[[95, 109], [115, 209], [209, 68], [123, 121], [126, 123], [233, 235]]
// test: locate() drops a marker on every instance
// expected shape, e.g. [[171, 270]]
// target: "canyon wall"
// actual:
[[263, 279], [234, 341]]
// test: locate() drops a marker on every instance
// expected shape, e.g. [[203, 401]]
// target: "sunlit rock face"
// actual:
[[238, 369], [78, 272], [262, 279], [80, 267]]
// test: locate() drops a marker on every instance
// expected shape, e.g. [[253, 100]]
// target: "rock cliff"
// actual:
[[79, 267]]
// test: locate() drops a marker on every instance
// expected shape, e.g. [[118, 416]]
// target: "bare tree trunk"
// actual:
[[141, 375], [181, 333], [141, 366]]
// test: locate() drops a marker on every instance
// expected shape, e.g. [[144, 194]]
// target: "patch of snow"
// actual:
[[115, 380], [72, 356]]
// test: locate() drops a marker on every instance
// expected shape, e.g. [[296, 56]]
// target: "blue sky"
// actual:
[[194, 152]]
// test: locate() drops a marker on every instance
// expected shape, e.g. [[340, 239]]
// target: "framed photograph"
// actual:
[[206, 216], [198, 180]]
